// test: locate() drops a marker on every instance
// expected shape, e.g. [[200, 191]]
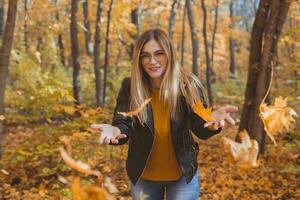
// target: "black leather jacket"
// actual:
[[141, 137]]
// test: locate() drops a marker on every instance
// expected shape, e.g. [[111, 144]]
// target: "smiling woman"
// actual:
[[162, 155]]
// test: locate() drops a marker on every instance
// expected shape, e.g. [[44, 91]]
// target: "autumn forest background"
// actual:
[[62, 63]]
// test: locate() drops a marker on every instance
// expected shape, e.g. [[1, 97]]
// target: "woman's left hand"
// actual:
[[220, 116]]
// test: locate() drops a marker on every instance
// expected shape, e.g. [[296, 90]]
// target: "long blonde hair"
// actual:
[[176, 81]]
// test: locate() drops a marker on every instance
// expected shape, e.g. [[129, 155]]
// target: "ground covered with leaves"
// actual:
[[32, 168]]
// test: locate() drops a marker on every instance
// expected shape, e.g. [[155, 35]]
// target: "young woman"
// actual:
[[162, 155]]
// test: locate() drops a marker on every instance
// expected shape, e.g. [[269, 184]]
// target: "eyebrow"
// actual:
[[145, 52]]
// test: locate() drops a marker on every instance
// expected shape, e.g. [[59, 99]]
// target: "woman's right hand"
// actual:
[[108, 133]]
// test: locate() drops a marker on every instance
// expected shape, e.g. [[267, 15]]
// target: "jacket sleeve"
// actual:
[[123, 123], [197, 122]]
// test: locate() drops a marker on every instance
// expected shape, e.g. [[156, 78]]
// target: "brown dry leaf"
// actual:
[[136, 111], [77, 165], [276, 117], [243, 155], [88, 192], [201, 111]]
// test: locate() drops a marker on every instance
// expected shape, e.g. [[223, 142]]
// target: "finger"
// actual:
[[120, 136], [222, 123], [96, 126], [114, 141], [230, 109], [207, 124], [230, 120], [106, 140]]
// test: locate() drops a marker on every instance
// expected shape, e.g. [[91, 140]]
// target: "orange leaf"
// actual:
[[204, 113], [243, 155], [276, 117], [136, 111]]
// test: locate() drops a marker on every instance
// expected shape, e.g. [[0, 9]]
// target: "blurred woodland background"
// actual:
[[62, 63]]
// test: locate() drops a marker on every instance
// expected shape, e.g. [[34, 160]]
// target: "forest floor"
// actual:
[[32, 168]]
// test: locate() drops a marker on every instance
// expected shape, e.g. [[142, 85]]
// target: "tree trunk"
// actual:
[[60, 44], [194, 36], [183, 36], [4, 58], [75, 53], [97, 53], [87, 30], [265, 33], [231, 44], [107, 43], [136, 20], [172, 18], [25, 24], [213, 38], [1, 17], [207, 59]]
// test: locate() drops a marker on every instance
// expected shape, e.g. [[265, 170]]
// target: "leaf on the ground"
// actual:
[[276, 117], [88, 192], [244, 154], [201, 111], [77, 165], [136, 111], [4, 172]]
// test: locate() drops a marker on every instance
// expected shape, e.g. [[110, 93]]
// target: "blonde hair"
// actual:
[[176, 81]]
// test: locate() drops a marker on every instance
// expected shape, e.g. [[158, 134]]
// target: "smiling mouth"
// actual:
[[154, 68]]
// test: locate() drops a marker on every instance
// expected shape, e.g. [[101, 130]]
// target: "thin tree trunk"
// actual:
[[107, 44], [25, 24], [172, 18], [75, 53], [60, 43], [136, 20], [273, 14], [183, 35], [207, 59], [4, 58], [1, 17], [87, 30], [215, 27], [195, 43], [97, 53], [231, 44]]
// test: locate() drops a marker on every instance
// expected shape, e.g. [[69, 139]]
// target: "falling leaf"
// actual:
[[201, 111], [136, 111], [88, 192], [244, 154], [66, 140], [276, 117], [77, 165]]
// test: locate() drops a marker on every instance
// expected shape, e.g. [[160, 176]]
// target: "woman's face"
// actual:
[[153, 59]]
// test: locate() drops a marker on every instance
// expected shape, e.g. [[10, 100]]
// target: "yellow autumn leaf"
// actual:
[[201, 111], [244, 154], [276, 117]]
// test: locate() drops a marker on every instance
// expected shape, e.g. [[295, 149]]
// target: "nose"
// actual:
[[152, 59]]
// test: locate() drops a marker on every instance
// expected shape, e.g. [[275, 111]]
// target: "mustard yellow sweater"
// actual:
[[162, 164]]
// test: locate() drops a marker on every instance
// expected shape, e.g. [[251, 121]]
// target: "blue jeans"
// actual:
[[172, 190]]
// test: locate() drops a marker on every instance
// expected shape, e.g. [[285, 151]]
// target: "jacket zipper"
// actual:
[[154, 136]]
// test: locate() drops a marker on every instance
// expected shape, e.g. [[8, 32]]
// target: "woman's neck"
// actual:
[[155, 83]]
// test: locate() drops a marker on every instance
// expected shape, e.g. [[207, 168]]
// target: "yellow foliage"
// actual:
[[276, 117]]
